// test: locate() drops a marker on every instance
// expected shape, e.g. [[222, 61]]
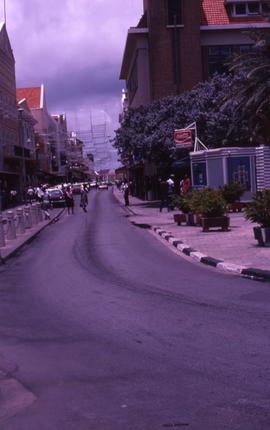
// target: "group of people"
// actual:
[[69, 198], [168, 190]]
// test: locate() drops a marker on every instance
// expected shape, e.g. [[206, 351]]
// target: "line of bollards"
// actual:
[[17, 222]]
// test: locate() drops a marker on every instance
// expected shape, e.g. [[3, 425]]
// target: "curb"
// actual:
[[246, 272], [31, 238]]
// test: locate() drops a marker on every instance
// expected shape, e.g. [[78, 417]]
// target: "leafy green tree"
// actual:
[[146, 132], [251, 93]]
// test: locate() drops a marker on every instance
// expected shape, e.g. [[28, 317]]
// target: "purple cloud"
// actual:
[[74, 47]]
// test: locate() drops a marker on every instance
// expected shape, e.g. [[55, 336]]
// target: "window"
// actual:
[[253, 8], [174, 12], [245, 49], [266, 7], [240, 9], [249, 8], [218, 57]]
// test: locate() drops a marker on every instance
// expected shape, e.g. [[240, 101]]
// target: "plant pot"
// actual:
[[222, 221], [190, 219], [179, 218], [236, 206], [193, 219], [262, 235]]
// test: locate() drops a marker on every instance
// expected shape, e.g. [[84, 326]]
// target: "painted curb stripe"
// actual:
[[171, 240], [210, 261], [177, 242], [252, 273], [182, 246], [188, 251], [197, 255], [229, 267], [168, 236], [257, 273]]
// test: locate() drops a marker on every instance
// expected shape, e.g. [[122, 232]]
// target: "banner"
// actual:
[[183, 138]]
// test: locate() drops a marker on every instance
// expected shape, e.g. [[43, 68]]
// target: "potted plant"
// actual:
[[232, 193], [211, 205], [259, 211], [182, 202], [195, 217]]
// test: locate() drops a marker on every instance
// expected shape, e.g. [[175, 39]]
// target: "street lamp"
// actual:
[[21, 139]]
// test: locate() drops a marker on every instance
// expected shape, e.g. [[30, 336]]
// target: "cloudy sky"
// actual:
[[75, 48]]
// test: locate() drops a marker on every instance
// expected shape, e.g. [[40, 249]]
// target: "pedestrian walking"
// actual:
[[84, 199], [125, 188], [171, 192], [164, 203], [46, 205], [69, 200], [30, 195], [186, 184]]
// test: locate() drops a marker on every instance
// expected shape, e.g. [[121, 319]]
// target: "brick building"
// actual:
[[47, 130], [178, 43]]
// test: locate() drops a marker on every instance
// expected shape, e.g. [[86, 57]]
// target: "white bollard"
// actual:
[[2, 233], [20, 225], [39, 212], [33, 210], [11, 229], [28, 218]]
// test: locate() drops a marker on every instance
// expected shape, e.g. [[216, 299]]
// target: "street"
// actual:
[[111, 330]]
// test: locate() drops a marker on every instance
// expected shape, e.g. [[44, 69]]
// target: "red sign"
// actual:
[[183, 138]]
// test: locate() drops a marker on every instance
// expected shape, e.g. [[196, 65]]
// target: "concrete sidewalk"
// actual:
[[12, 246], [236, 250]]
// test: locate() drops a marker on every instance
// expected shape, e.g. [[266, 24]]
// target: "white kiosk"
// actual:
[[250, 166]]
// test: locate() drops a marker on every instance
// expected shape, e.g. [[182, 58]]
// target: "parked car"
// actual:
[[76, 188], [103, 186], [56, 197]]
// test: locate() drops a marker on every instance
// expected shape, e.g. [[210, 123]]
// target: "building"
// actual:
[[27, 144], [46, 129], [11, 155], [62, 143], [178, 43]]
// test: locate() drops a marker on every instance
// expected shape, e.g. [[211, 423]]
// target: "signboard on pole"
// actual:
[[183, 138]]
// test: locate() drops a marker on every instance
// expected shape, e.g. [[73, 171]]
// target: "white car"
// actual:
[[103, 186]]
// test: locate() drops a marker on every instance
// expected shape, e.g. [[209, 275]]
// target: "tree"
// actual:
[[146, 132], [251, 93]]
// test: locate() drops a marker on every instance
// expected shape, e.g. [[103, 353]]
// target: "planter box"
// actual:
[[262, 235], [223, 222], [194, 219], [179, 218], [236, 206]]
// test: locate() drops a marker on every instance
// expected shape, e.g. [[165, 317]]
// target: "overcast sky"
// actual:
[[75, 48]]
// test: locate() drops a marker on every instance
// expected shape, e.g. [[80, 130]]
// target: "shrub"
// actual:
[[208, 202], [183, 202], [259, 209], [231, 193]]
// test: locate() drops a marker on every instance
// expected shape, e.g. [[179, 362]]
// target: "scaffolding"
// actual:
[[96, 140]]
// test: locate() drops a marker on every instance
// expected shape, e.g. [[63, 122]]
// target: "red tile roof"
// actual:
[[32, 95], [214, 12]]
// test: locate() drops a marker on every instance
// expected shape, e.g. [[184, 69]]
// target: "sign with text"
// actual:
[[183, 138]]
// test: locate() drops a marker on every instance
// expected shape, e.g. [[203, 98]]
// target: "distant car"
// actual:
[[56, 197], [103, 186], [77, 188], [93, 184]]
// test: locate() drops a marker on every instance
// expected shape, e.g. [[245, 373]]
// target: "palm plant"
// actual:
[[251, 94]]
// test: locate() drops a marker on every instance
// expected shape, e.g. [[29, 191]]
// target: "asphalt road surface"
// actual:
[[102, 327]]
